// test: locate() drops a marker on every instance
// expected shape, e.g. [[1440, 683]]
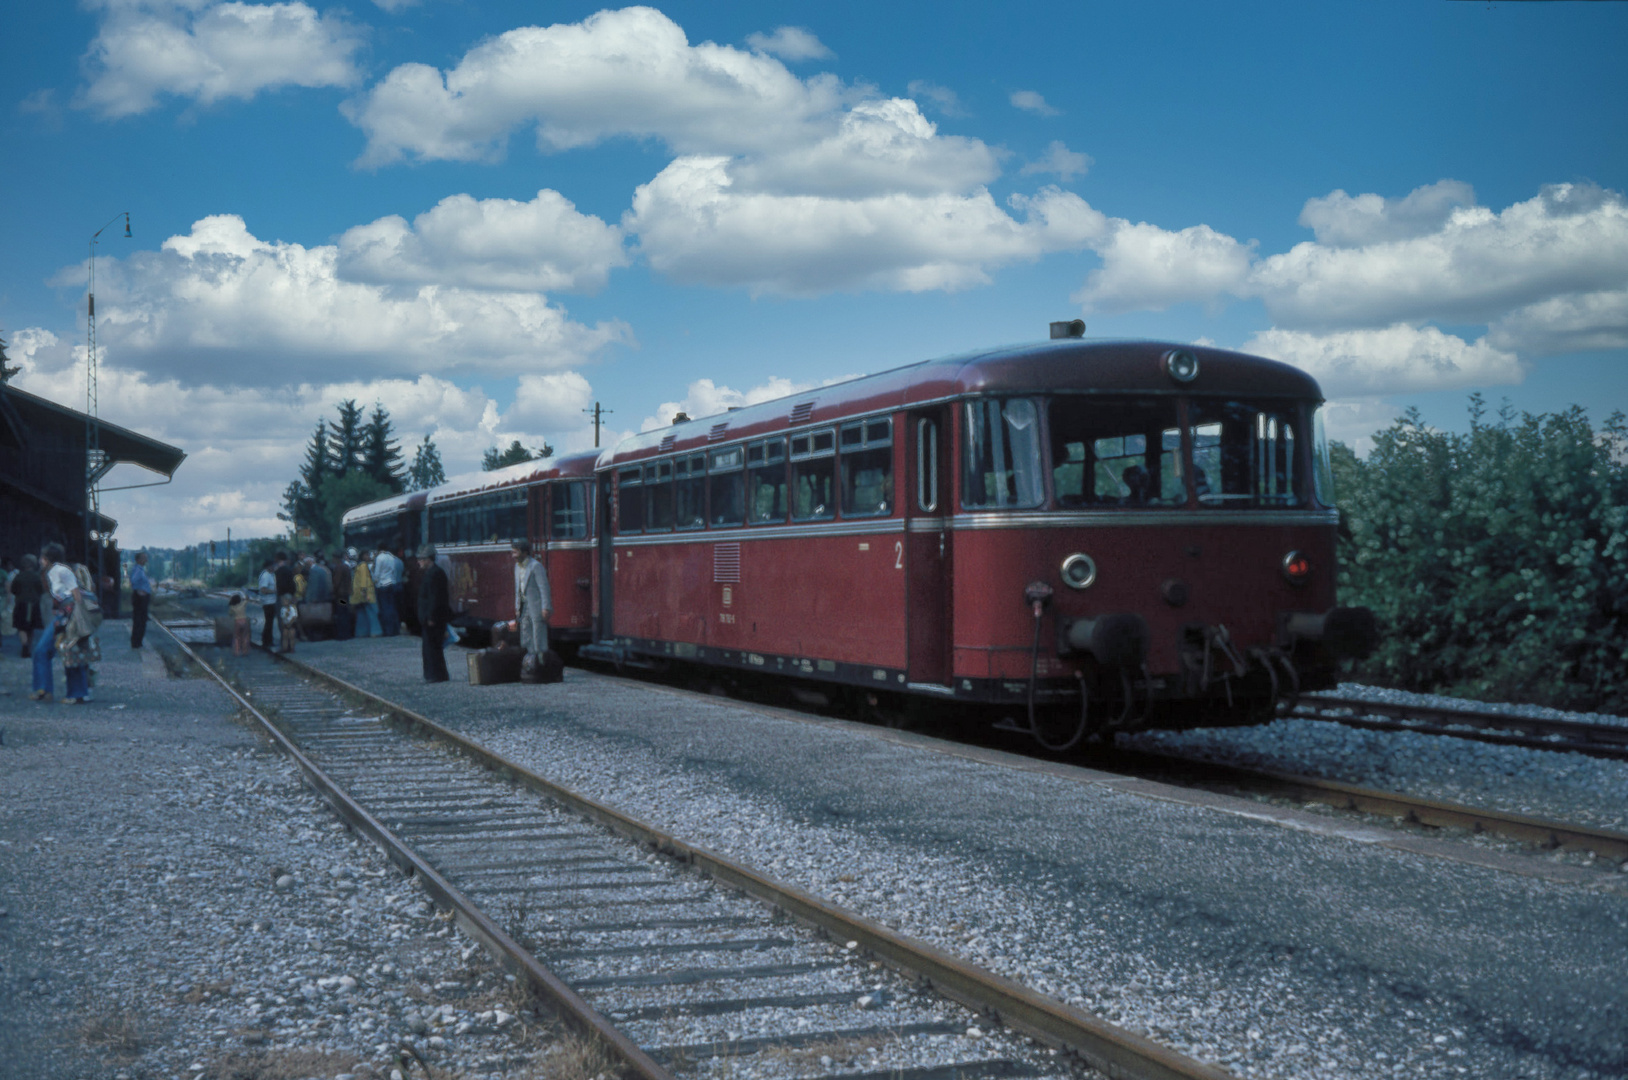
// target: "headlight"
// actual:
[[1297, 568], [1079, 571], [1181, 365]]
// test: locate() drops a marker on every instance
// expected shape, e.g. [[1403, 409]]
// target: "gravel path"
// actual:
[[1273, 952], [174, 903], [1566, 787]]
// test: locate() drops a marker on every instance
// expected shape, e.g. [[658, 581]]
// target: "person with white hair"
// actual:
[[532, 602]]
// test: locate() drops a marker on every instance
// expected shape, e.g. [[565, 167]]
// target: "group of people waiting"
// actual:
[[53, 606], [357, 594]]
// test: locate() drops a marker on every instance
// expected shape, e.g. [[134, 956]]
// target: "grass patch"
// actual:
[[281, 1065], [116, 1035]]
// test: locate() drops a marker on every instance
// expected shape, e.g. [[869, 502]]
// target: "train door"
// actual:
[[606, 623], [928, 546]]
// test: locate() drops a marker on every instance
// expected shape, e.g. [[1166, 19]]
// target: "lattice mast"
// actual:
[[96, 464]]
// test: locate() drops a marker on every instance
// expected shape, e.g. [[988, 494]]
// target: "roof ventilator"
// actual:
[[1071, 328], [802, 412]]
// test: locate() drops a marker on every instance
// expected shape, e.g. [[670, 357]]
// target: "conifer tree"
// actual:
[[6, 370], [426, 471], [381, 453], [346, 440]]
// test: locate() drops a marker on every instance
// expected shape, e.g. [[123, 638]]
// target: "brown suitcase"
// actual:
[[487, 667]]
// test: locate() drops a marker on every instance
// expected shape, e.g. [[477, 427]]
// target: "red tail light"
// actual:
[[1297, 568]]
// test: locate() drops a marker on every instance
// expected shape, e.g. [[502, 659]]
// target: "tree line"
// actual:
[[1496, 559]]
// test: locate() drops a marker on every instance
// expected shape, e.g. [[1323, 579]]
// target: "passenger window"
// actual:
[[813, 476], [927, 465], [766, 482], [569, 503], [630, 500], [1116, 452], [658, 486], [1001, 465], [690, 492], [1246, 455], [728, 486], [867, 468]]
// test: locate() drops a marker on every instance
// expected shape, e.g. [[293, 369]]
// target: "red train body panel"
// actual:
[[473, 519], [1137, 525]]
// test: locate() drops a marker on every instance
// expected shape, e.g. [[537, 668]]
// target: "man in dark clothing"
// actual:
[[141, 597], [344, 617], [434, 611]]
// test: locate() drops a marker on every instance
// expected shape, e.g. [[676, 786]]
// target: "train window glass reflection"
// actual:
[[658, 486], [508, 515], [1001, 463], [690, 492], [814, 476], [568, 505], [1321, 463], [867, 468], [630, 500], [766, 482], [1245, 454], [1115, 451], [728, 486]]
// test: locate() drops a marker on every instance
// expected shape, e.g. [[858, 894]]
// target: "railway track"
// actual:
[[1484, 725], [683, 963]]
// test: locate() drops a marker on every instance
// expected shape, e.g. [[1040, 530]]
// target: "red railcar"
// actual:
[[473, 519], [1101, 534]]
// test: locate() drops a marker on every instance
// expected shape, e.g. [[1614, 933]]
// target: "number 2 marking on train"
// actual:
[[898, 554]]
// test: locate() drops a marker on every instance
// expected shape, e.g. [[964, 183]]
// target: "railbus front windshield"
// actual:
[[1108, 451]]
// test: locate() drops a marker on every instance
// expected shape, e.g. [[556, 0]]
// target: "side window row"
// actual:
[[501, 516], [802, 477]]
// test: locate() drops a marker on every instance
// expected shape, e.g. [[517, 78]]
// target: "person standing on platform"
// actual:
[[388, 572], [267, 587], [434, 611], [63, 586], [532, 602], [319, 589], [364, 597], [141, 598], [344, 616], [27, 586]]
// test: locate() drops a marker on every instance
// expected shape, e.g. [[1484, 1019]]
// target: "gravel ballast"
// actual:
[[1272, 951], [177, 904]]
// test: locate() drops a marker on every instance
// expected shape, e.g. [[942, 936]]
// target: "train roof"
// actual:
[[527, 472], [393, 504], [1071, 364]]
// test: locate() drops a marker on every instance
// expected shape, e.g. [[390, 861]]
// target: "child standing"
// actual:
[[238, 609]]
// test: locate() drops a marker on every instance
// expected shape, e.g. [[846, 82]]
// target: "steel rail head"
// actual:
[[509, 953], [1118, 1052]]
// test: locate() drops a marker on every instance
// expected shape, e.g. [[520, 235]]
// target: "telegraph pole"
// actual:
[[95, 468], [597, 413]]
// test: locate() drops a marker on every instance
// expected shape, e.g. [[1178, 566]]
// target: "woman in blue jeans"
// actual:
[[63, 586]]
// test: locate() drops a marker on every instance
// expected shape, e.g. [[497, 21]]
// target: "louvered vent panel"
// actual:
[[667, 441], [802, 412], [726, 563], [718, 431]]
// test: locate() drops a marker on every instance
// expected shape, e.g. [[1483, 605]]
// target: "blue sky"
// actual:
[[490, 215]]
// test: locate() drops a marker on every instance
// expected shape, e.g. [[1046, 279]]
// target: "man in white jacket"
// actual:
[[532, 602]]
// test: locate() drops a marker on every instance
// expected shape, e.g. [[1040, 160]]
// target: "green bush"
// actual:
[[1497, 560]]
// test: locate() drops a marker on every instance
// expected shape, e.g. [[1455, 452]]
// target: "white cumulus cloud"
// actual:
[[1058, 161], [791, 43], [1030, 101], [1341, 220], [1395, 359], [207, 52], [695, 227], [617, 73], [221, 304], [543, 244], [1147, 267]]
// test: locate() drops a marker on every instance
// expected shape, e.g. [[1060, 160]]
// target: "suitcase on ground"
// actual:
[[487, 667], [546, 667]]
